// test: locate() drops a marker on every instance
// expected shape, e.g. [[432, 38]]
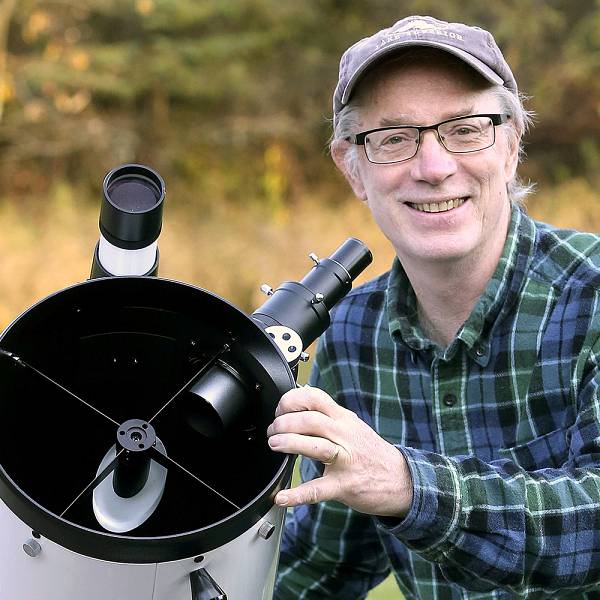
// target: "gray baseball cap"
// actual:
[[473, 45]]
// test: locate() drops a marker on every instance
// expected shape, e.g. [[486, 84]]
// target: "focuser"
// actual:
[[294, 316]]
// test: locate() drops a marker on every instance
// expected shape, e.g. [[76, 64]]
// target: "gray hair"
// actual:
[[348, 121]]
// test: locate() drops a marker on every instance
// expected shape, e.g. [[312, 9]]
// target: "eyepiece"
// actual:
[[133, 194], [354, 256], [132, 205], [130, 222]]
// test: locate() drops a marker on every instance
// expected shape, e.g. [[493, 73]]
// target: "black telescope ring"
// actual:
[[82, 301], [141, 550]]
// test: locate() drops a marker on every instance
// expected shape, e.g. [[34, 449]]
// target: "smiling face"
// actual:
[[437, 205]]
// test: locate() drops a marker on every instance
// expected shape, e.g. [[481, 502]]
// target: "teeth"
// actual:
[[439, 206]]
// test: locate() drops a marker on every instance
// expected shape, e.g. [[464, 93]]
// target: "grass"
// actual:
[[226, 248], [387, 590]]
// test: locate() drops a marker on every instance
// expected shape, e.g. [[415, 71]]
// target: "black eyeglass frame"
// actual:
[[495, 118]]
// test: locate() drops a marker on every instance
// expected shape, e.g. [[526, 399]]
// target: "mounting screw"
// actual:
[[318, 297], [32, 548], [266, 289], [266, 530], [304, 356], [314, 258]]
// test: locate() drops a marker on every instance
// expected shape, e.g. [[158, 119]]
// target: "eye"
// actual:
[[468, 128], [396, 138], [465, 130]]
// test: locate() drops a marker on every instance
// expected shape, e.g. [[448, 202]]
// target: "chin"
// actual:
[[438, 250]]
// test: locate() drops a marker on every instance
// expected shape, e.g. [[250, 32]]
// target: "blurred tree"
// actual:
[[202, 90], [6, 11]]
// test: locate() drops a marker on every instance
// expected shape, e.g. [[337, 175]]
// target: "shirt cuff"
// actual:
[[433, 514]]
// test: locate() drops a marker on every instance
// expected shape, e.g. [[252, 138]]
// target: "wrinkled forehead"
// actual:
[[423, 77]]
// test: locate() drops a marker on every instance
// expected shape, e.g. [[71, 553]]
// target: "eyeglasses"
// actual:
[[459, 136]]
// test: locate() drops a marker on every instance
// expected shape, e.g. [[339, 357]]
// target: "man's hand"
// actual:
[[362, 470]]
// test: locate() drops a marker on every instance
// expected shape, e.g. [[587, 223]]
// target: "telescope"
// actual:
[[134, 462]]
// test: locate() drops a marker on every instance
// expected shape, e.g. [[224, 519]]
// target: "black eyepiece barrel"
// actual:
[[332, 277], [304, 306], [132, 206], [354, 256]]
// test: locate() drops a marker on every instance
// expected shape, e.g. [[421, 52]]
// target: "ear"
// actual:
[[512, 157], [339, 152]]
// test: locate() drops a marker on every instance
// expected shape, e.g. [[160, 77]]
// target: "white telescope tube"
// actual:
[[120, 261]]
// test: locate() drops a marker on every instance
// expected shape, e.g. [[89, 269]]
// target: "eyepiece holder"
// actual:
[[130, 222], [304, 306]]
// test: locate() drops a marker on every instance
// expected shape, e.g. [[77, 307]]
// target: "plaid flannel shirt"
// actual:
[[501, 431]]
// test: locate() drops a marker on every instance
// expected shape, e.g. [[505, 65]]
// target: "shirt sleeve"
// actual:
[[507, 523], [328, 550]]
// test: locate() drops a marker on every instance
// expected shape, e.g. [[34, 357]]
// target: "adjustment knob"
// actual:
[[32, 548], [266, 530]]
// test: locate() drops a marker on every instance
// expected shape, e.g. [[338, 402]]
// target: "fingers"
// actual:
[[307, 399], [362, 469], [313, 447], [307, 422], [335, 452], [317, 490]]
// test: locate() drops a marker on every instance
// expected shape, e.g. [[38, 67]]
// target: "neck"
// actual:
[[447, 291]]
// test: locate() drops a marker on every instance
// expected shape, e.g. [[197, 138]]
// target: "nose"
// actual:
[[432, 163]]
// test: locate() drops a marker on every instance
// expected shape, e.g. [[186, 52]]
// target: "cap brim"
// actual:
[[479, 66]]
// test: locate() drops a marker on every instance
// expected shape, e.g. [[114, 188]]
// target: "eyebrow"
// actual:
[[402, 119]]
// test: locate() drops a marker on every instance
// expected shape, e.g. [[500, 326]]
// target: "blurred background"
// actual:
[[230, 101]]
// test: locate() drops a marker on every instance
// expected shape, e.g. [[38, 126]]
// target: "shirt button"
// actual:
[[449, 400], [480, 351]]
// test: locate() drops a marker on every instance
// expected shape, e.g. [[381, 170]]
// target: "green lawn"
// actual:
[[387, 590]]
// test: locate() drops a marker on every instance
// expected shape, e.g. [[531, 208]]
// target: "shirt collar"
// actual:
[[494, 303]]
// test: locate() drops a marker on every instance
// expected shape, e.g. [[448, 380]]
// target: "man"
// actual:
[[451, 432]]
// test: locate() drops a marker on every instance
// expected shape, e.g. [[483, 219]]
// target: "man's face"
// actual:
[[424, 94]]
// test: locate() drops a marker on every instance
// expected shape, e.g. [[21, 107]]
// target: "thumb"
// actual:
[[311, 492]]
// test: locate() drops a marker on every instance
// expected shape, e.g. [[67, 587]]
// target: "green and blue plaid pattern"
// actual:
[[501, 431]]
